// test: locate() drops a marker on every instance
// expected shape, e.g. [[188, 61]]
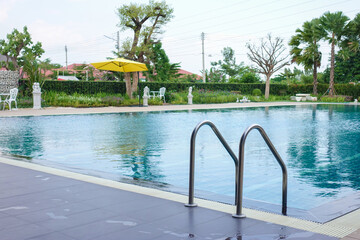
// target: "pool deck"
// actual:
[[68, 110], [38, 202]]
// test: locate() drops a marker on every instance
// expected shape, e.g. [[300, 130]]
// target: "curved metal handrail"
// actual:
[[240, 179], [192, 160]]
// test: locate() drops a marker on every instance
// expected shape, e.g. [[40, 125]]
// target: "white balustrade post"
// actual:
[[36, 96], [190, 96], [146, 96]]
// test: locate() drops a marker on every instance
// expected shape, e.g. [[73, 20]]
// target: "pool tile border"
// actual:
[[339, 227]]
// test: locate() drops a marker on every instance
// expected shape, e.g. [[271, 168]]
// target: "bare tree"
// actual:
[[268, 57]]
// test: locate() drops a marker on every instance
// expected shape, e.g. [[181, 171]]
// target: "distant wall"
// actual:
[[8, 80]]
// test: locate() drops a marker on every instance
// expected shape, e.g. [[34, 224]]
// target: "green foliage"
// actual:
[[346, 70], [155, 101], [177, 98], [179, 87], [305, 44], [306, 79], [334, 25], [145, 20], [227, 68], [278, 79], [85, 87], [250, 77], [352, 40], [256, 92], [332, 99], [16, 46], [161, 69], [110, 88], [291, 76], [61, 99], [48, 65], [33, 71], [205, 96], [24, 102]]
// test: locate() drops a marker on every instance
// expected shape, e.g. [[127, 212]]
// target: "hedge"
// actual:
[[90, 87]]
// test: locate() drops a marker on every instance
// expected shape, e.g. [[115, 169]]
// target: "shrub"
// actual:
[[332, 99], [90, 87], [81, 100], [256, 92]]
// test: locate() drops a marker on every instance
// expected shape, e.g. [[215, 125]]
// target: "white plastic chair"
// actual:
[[162, 93], [11, 98]]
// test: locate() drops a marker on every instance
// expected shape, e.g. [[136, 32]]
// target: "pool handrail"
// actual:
[[240, 176], [192, 160]]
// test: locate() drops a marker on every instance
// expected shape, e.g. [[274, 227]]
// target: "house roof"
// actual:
[[181, 71], [73, 66], [184, 72]]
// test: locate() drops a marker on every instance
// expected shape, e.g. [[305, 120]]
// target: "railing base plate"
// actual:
[[190, 205], [239, 216]]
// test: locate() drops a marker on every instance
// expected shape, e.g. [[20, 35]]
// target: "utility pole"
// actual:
[[66, 58], [118, 43], [203, 55], [116, 40]]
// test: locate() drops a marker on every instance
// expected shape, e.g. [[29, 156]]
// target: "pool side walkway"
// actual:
[[68, 110], [40, 205]]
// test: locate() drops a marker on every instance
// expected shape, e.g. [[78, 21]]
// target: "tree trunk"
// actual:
[[135, 82], [315, 82], [127, 77], [332, 67], [267, 87]]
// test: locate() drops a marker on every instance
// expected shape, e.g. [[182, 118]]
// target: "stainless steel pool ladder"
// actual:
[[192, 159], [239, 165]]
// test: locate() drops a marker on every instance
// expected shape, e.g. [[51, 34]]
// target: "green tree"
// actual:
[[291, 75], [250, 77], [214, 74], [268, 58], [346, 69], [305, 47], [160, 68], [16, 46], [145, 21], [227, 69], [335, 26]]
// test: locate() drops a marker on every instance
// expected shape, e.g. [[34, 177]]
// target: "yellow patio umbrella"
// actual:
[[120, 65]]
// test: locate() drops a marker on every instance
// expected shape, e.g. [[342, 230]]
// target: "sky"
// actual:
[[87, 27]]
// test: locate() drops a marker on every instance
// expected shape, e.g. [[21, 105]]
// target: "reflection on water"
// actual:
[[319, 143]]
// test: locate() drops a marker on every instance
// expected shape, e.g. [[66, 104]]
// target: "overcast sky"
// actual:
[[82, 24]]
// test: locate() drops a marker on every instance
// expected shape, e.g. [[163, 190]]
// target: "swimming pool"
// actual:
[[319, 144]]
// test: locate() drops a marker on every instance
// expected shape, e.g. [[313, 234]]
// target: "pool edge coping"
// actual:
[[49, 111], [339, 227]]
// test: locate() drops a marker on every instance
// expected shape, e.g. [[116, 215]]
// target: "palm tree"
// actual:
[[335, 25], [352, 40], [305, 47]]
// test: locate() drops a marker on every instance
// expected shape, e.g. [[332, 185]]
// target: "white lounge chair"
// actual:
[[11, 98], [162, 93]]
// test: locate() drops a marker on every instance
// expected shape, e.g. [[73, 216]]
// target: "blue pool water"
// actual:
[[320, 145]]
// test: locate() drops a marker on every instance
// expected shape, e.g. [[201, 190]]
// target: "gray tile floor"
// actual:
[[41, 206]]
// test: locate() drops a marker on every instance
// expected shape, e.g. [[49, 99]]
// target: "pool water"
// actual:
[[320, 145]]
